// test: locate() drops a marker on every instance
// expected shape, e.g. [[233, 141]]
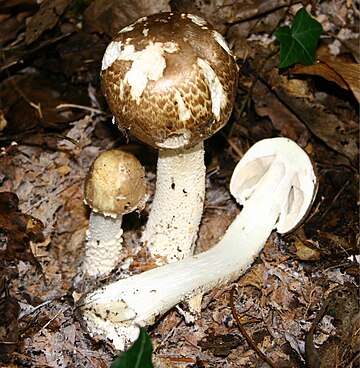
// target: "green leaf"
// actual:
[[298, 44], [138, 356]]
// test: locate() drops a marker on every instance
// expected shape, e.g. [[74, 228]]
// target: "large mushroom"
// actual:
[[114, 186], [276, 185], [170, 79]]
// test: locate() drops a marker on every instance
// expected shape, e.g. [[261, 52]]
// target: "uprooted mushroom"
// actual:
[[276, 185], [170, 80]]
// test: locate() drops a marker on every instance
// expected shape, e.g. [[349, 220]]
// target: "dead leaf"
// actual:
[[322, 70], [345, 75], [350, 72], [283, 120], [304, 252], [110, 16], [46, 18], [30, 99], [244, 10], [342, 306], [19, 229], [220, 345], [9, 329], [337, 134]]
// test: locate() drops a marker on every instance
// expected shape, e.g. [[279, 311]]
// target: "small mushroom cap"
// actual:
[[115, 184], [170, 79], [301, 175]]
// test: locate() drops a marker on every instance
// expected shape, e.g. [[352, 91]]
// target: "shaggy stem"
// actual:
[[103, 244], [176, 211]]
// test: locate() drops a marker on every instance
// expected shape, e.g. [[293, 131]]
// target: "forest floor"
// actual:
[[298, 302]]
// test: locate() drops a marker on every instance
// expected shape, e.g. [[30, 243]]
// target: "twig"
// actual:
[[62, 310], [168, 335], [35, 106], [312, 358], [335, 199], [353, 361], [82, 107], [248, 338]]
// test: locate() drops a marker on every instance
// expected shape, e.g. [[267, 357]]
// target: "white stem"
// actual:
[[138, 300], [103, 244], [176, 211]]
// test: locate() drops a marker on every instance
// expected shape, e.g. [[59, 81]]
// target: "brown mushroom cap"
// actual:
[[115, 183], [170, 79]]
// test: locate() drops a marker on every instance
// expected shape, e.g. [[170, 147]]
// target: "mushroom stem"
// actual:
[[103, 244], [176, 211], [275, 183]]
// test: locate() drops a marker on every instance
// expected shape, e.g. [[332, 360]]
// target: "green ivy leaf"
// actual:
[[298, 44], [138, 356]]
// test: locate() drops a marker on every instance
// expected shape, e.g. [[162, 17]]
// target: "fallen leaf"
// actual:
[[306, 253], [19, 229], [322, 70], [345, 75], [9, 329], [283, 120], [46, 18], [327, 126], [220, 345], [110, 16]]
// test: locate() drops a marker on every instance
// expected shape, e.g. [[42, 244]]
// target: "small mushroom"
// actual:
[[114, 186], [170, 79], [276, 184]]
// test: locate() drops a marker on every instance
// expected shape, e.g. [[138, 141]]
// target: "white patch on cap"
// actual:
[[145, 31], [111, 54], [218, 97], [127, 28], [131, 26], [148, 64], [184, 112], [197, 20], [142, 19], [171, 47], [221, 41]]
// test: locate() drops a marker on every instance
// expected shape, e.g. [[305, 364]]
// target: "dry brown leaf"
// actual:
[[46, 18], [220, 345], [335, 131], [9, 329], [19, 229], [306, 253], [283, 120], [110, 16], [350, 72], [243, 10], [345, 75], [322, 70]]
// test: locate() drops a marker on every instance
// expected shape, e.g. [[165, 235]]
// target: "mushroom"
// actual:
[[114, 186], [170, 79], [276, 185]]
